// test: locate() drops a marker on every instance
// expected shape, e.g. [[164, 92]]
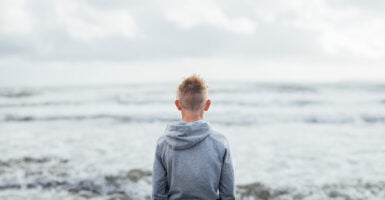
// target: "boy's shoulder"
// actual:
[[161, 140], [219, 138]]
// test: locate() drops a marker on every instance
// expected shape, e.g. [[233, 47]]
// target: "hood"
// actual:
[[182, 135]]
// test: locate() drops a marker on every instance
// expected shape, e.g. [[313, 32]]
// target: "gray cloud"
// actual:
[[160, 32]]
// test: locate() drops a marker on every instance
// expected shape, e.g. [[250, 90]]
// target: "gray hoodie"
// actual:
[[192, 161]]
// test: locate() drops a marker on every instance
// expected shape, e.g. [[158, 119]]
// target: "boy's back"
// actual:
[[195, 162], [192, 161]]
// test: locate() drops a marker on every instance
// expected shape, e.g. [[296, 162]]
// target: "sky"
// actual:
[[68, 42]]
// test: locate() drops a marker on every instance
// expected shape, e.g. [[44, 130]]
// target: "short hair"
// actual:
[[192, 92]]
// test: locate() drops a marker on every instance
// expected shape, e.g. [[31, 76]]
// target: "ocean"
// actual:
[[287, 140]]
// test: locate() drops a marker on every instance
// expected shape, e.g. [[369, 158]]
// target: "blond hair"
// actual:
[[192, 92]]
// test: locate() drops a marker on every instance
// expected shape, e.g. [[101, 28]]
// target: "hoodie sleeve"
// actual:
[[159, 178], [226, 182]]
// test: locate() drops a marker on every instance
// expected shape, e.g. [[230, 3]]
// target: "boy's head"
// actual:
[[192, 95]]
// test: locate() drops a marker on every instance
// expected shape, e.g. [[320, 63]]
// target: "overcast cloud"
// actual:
[[44, 41]]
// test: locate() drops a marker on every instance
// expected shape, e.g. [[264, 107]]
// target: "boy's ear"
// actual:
[[178, 104], [207, 105]]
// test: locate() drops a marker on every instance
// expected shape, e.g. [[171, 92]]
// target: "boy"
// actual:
[[192, 161]]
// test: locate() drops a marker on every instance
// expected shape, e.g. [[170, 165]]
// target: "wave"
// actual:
[[124, 102], [373, 118], [21, 93], [47, 173], [368, 119], [121, 118], [278, 103], [234, 121], [125, 118], [291, 88], [40, 104], [328, 120]]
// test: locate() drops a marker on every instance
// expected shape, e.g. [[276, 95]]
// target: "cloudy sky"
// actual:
[[48, 42]]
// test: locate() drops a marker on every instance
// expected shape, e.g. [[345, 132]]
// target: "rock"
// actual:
[[136, 174], [260, 191]]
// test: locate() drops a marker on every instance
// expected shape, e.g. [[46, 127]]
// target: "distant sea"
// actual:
[[287, 140]]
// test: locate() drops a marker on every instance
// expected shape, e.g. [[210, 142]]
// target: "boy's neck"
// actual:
[[191, 116]]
